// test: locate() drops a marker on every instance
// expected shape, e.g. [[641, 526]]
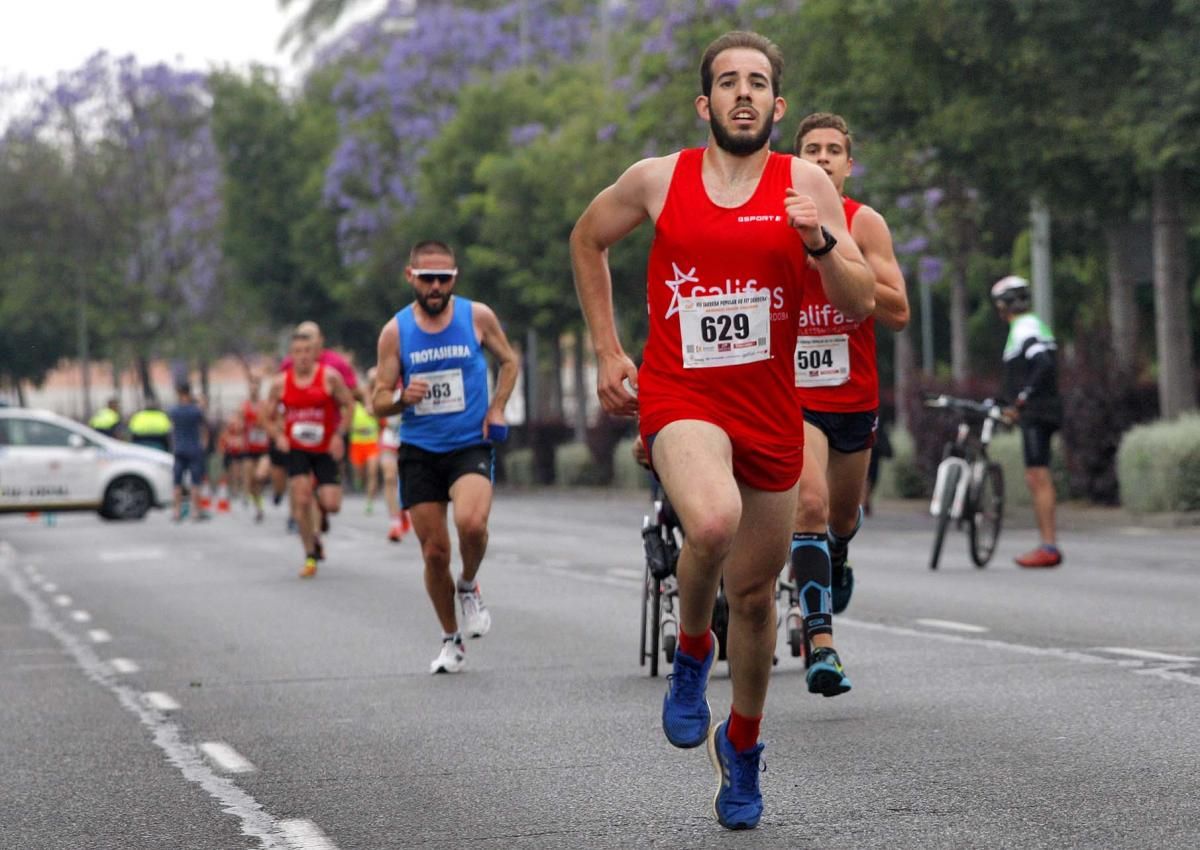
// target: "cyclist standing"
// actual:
[[839, 388], [1031, 385], [739, 234]]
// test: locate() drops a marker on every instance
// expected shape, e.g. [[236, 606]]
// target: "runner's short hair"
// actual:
[[823, 121], [739, 39], [429, 246]]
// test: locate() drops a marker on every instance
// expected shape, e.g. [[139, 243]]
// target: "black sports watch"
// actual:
[[830, 242]]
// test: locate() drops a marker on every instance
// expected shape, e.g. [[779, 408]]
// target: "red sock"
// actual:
[[695, 647], [742, 731]]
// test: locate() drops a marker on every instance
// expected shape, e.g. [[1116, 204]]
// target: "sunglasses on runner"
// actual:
[[434, 275]]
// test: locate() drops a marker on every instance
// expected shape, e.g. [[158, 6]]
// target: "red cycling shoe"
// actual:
[[1041, 557]]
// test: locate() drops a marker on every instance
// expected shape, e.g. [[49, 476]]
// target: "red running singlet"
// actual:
[[723, 290], [257, 439], [836, 367], [310, 413]]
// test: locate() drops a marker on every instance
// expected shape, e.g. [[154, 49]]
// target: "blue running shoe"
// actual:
[[738, 802], [825, 674], [685, 715]]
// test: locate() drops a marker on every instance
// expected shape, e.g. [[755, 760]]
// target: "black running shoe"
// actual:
[[842, 586], [825, 674]]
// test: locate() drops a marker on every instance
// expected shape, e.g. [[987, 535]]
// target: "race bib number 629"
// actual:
[[725, 330]]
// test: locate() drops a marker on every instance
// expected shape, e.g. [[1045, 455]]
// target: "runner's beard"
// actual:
[[433, 310], [741, 145]]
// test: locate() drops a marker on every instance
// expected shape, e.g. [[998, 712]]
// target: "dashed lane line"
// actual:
[[226, 758], [81, 616], [160, 701], [99, 636], [255, 822], [123, 666], [952, 625]]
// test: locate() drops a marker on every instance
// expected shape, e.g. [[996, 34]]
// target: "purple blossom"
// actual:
[[933, 197], [606, 133], [522, 135], [913, 246], [929, 269]]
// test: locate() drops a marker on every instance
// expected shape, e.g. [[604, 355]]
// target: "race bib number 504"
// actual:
[[725, 330], [822, 361]]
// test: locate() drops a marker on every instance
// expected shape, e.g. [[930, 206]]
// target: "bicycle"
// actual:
[[970, 486], [662, 538]]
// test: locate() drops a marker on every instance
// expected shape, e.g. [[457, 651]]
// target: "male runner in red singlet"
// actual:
[[310, 406], [740, 234], [839, 388], [256, 462]]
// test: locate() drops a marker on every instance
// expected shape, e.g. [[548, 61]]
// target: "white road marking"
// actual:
[[160, 701], [952, 626], [305, 835], [166, 735], [99, 636], [580, 575], [62, 600], [1147, 654], [1166, 673], [123, 666], [49, 587], [81, 616], [626, 573], [226, 758], [132, 555]]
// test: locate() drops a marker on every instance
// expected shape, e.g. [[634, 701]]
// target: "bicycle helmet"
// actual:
[[1011, 290]]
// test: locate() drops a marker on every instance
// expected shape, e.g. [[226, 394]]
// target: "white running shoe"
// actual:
[[477, 620], [452, 658]]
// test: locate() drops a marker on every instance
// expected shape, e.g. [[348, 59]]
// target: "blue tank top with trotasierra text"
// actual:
[[451, 415]]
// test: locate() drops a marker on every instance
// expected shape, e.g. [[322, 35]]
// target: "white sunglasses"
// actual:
[[432, 275]]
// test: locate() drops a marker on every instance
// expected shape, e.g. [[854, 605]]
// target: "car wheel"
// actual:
[[127, 497]]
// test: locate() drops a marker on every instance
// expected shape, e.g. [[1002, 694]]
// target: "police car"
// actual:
[[49, 462]]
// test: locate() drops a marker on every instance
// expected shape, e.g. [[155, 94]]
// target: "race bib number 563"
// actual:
[[446, 393], [725, 330]]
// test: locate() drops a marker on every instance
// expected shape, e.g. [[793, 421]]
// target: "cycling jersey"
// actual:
[[1031, 369]]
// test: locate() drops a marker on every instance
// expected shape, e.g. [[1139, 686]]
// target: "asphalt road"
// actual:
[[168, 686]]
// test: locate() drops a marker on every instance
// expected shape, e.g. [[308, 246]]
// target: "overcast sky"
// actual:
[[39, 38]]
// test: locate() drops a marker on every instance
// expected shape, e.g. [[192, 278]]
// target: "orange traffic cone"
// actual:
[[223, 496], [205, 497]]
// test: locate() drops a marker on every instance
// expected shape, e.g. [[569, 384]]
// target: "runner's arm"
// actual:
[[611, 215], [494, 340], [874, 239], [386, 402], [848, 281], [270, 415]]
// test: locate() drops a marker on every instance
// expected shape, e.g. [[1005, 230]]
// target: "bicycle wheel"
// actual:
[[987, 515], [943, 519]]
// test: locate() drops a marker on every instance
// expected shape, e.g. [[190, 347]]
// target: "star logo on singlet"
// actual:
[[681, 277]]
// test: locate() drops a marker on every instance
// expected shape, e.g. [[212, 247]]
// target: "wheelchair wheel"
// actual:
[[645, 612], [668, 643], [987, 515], [720, 624], [655, 602]]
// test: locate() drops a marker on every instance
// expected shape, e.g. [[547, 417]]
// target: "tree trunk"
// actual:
[[556, 382], [532, 410], [1172, 312], [959, 366], [143, 369], [579, 384], [903, 362], [1122, 305]]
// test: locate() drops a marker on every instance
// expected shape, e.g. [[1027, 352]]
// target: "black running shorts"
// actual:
[[427, 476], [319, 464], [278, 458], [846, 432], [1035, 442]]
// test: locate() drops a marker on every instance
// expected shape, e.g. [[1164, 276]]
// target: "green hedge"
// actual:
[[1006, 450], [518, 467], [1158, 466]]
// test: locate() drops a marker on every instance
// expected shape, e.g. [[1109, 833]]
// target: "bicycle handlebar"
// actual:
[[988, 408]]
